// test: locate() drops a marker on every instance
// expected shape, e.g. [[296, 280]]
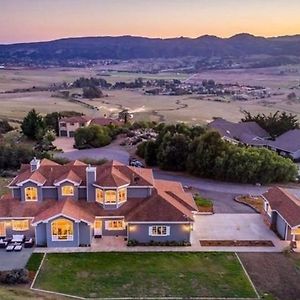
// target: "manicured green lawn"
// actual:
[[34, 262], [145, 274]]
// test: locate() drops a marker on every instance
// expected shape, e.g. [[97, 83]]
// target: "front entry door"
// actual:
[[98, 228], [2, 229]]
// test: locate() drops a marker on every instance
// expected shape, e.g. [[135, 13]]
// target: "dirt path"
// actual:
[[277, 274]]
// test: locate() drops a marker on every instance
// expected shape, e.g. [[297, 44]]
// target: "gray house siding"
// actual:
[[84, 234], [81, 193], [50, 193], [41, 235], [90, 180], [74, 243], [280, 226], [138, 192], [16, 193], [140, 232]]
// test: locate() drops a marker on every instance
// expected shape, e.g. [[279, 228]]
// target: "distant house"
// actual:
[[68, 126], [248, 133], [282, 213], [287, 144]]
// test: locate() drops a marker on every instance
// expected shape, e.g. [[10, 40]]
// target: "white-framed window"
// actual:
[[268, 209], [31, 193], [20, 225], [62, 230], [67, 190], [114, 225], [122, 194], [159, 230], [110, 197], [99, 195]]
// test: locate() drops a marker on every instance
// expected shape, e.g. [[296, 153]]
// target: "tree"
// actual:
[[151, 153], [33, 125], [275, 124], [92, 136], [173, 152], [92, 92], [5, 126]]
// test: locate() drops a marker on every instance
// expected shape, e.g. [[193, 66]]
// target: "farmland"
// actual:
[[187, 108]]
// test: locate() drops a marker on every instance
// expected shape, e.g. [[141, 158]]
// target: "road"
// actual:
[[222, 193]]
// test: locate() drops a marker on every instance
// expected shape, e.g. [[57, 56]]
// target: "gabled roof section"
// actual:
[[75, 119], [48, 162], [76, 163], [68, 208], [288, 141], [26, 176], [287, 205], [164, 205], [70, 176], [111, 177]]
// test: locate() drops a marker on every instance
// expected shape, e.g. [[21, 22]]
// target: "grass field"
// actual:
[[157, 108], [145, 274]]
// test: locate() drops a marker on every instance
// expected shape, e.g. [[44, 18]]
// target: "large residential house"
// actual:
[[68, 126], [248, 133], [282, 213], [70, 205]]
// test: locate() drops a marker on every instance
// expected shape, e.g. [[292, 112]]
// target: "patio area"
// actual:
[[14, 260]]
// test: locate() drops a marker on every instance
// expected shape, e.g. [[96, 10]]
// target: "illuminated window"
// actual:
[[110, 197], [122, 195], [99, 195], [2, 229], [31, 193], [20, 225], [67, 190], [159, 230], [114, 225], [62, 230]]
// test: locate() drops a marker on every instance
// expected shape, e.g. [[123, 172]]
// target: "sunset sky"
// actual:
[[36, 20]]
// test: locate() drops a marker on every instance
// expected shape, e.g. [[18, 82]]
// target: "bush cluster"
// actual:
[[19, 276], [132, 243]]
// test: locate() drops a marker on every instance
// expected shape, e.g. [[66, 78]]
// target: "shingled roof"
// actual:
[[287, 205], [246, 132]]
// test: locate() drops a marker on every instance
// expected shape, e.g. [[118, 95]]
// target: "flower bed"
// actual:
[[235, 243], [255, 202]]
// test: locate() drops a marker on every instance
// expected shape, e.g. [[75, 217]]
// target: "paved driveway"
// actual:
[[234, 227], [14, 260]]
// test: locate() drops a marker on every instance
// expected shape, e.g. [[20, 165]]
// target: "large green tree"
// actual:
[[33, 125]]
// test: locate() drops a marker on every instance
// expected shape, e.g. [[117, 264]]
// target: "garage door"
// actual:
[[71, 133], [280, 226], [63, 133]]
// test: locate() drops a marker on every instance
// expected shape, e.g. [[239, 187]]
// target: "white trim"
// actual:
[[16, 218], [70, 238], [150, 230], [106, 225], [30, 180], [110, 187], [161, 222], [109, 217], [67, 180], [60, 215]]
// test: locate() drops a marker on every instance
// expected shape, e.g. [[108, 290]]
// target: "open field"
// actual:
[[189, 109], [145, 275], [276, 274]]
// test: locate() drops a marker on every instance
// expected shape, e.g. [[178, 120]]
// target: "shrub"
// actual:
[[203, 201], [19, 276]]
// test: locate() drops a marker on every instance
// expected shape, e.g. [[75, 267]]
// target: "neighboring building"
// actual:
[[69, 205], [282, 213], [248, 133], [287, 144], [68, 126]]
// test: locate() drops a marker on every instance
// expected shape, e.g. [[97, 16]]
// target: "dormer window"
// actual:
[[99, 195], [31, 193], [110, 197], [67, 190]]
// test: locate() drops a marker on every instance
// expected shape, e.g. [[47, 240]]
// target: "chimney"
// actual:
[[91, 173], [34, 164]]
